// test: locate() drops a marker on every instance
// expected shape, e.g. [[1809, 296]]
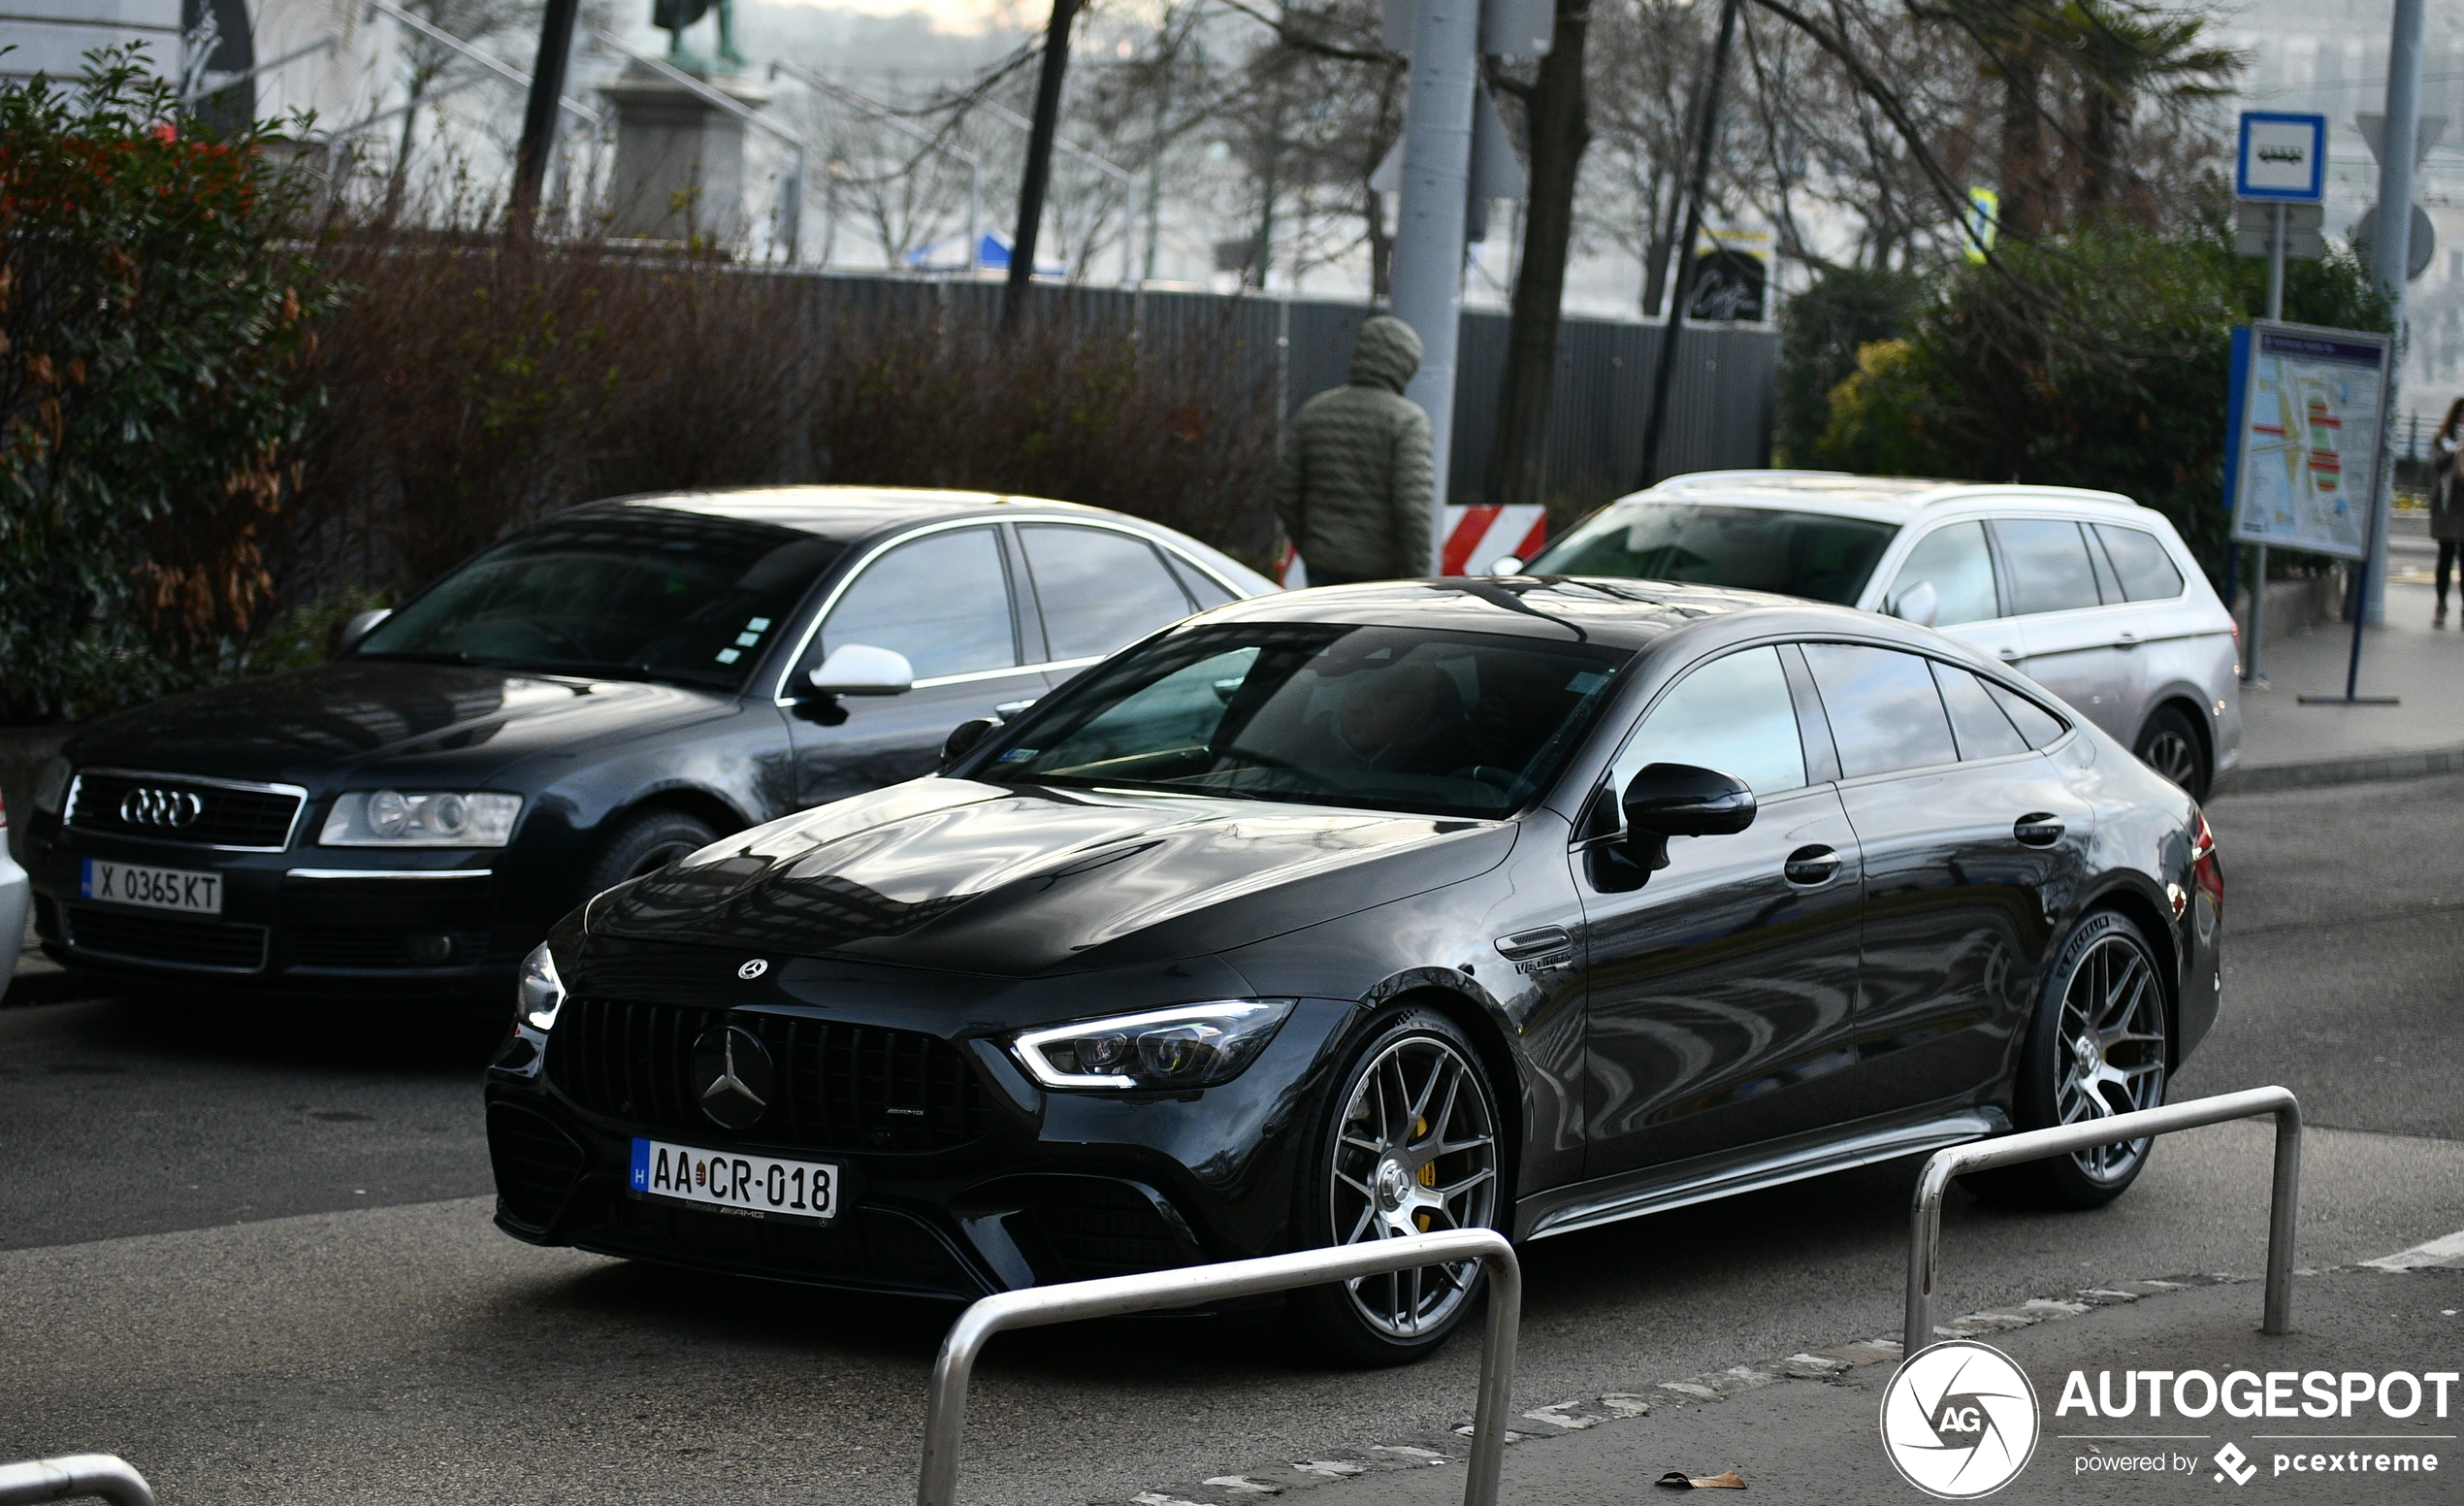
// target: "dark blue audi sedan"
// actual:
[[581, 703]]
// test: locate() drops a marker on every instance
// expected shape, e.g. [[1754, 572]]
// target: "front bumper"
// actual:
[[984, 1182], [315, 922]]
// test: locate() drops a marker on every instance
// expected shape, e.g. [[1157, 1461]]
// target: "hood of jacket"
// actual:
[[952, 874], [1385, 355]]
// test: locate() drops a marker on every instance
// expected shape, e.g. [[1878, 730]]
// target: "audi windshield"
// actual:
[[644, 594], [1440, 723], [1816, 555]]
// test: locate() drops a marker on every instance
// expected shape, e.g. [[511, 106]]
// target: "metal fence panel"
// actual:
[[1719, 410]]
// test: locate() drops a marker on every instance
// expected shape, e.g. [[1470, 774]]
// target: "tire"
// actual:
[[2105, 982], [2170, 745], [1407, 1142], [643, 843]]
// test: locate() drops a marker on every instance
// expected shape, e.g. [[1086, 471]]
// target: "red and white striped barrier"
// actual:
[[1474, 537]]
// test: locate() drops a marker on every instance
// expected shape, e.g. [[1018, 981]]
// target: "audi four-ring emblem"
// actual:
[[173, 808]]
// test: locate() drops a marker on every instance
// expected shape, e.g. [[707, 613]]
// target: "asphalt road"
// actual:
[[253, 1256]]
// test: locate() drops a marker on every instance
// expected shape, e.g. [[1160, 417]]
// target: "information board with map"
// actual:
[[2306, 413]]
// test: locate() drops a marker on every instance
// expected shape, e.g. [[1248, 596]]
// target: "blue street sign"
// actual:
[[2282, 157]]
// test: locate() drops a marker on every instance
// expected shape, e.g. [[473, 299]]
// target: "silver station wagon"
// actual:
[[2093, 596]]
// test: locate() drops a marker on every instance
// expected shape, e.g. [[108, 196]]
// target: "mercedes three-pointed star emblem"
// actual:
[[732, 1075]]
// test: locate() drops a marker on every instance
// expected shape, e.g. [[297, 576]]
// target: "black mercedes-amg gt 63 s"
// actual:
[[1529, 903]]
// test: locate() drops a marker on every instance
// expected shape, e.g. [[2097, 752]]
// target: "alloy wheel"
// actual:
[[2170, 754], [2110, 1049], [1414, 1152]]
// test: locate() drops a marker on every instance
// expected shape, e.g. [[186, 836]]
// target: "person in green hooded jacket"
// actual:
[[1353, 489]]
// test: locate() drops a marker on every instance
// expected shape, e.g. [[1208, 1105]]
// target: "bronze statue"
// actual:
[[674, 16]]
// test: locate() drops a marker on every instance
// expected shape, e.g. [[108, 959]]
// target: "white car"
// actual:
[[14, 890], [2091, 593]]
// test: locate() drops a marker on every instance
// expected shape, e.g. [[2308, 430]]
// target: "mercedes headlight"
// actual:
[[540, 993], [441, 818], [1190, 1046]]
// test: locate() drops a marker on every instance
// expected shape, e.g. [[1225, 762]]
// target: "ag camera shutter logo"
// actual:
[[1960, 1420]]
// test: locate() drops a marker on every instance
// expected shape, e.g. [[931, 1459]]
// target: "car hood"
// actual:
[[360, 717], [954, 875]]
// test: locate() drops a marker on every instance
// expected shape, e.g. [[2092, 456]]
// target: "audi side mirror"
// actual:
[[1918, 604], [862, 669], [358, 627], [964, 738], [1506, 565]]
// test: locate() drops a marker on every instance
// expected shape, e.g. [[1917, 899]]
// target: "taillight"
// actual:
[[4, 816], [2205, 870]]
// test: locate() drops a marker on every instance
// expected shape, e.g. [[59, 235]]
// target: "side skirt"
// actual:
[[1659, 1188]]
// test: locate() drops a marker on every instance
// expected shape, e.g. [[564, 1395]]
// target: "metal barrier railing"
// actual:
[[1925, 1219], [937, 1484], [72, 1476]]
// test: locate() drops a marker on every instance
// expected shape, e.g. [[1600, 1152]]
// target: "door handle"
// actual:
[[1009, 709], [1810, 867], [2037, 828], [2008, 655], [2125, 641]]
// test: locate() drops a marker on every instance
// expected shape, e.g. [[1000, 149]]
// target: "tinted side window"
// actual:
[[2034, 723], [943, 600], [1885, 713], [1954, 561], [1733, 714], [2139, 558], [1982, 728], [2049, 564], [1099, 590]]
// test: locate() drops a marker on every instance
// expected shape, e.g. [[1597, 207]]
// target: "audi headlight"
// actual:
[[1190, 1046], [444, 818], [540, 993], [52, 788]]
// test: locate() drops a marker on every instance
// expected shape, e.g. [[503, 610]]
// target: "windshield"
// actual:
[[1811, 554], [645, 593], [1454, 724]]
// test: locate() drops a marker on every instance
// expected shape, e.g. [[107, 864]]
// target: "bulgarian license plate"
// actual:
[[160, 889], [761, 1186]]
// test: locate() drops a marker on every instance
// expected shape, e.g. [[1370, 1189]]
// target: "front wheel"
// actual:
[[2095, 1048], [1408, 1145]]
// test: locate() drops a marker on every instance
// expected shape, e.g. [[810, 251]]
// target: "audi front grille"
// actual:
[[184, 808]]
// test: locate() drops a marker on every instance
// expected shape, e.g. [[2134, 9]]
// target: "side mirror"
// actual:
[[1918, 604], [360, 625], [1506, 565], [862, 669], [964, 738], [1680, 799]]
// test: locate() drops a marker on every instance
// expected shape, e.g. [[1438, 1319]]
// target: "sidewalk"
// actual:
[[1812, 1437], [2285, 743]]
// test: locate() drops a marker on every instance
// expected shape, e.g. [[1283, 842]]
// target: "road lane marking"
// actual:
[[2446, 1251]]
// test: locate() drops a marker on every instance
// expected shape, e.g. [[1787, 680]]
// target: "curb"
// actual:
[[2361, 769]]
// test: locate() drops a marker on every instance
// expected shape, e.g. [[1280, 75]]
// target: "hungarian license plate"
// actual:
[[161, 889], [761, 1186]]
